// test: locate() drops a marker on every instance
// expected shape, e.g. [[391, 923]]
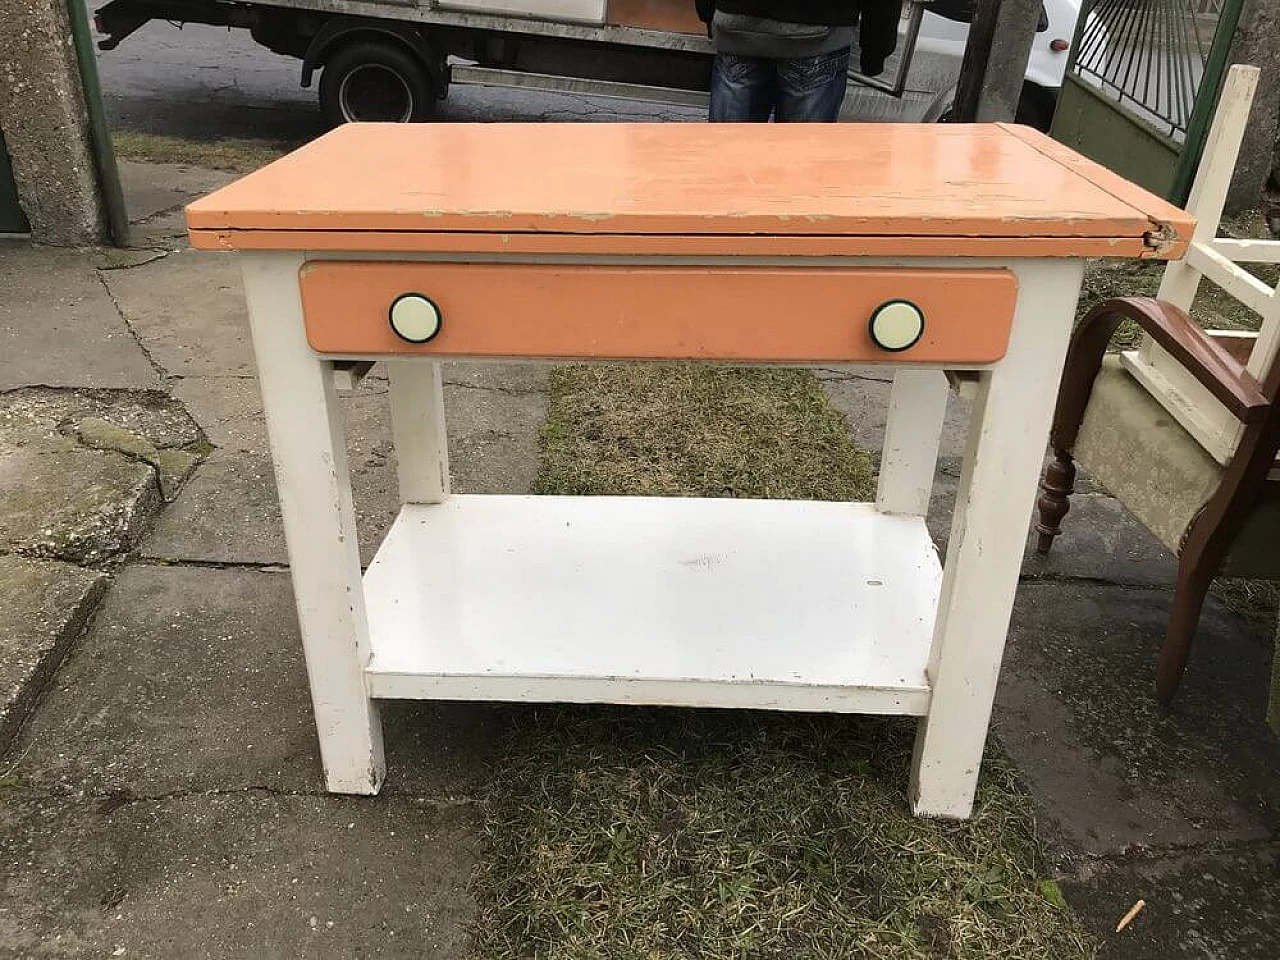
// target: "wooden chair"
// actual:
[[1184, 430]]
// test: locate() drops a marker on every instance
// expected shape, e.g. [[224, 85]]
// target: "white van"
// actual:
[[394, 60]]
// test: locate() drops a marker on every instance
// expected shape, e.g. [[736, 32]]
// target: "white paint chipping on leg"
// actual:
[[418, 430], [917, 406], [308, 449], [1007, 436]]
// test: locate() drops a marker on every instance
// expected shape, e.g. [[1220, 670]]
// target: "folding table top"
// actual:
[[691, 189]]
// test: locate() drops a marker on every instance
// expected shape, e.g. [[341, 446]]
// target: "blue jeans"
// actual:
[[800, 90]]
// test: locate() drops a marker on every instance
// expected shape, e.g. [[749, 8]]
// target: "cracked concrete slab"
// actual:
[[79, 475], [1177, 806], [187, 309], [47, 416], [172, 466], [229, 411], [1114, 772], [192, 679], [60, 328], [74, 483], [238, 875], [228, 512], [124, 258], [46, 605], [83, 506]]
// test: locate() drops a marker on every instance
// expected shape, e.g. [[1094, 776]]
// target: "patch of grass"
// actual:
[[1257, 602], [234, 156], [658, 834], [717, 834], [684, 430]]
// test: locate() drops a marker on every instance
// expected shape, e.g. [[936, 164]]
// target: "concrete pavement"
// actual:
[[164, 799]]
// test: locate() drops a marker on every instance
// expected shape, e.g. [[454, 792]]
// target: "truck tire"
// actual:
[[375, 81]]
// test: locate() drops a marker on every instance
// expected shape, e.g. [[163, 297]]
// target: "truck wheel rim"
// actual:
[[372, 93]]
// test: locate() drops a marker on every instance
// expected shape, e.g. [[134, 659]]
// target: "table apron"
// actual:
[[659, 312]]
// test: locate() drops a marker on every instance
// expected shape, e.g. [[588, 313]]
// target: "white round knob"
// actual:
[[414, 318], [897, 325]]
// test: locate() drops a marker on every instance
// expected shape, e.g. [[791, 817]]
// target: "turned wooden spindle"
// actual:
[[1055, 491]]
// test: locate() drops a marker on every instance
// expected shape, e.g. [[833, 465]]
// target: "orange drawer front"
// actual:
[[763, 314]]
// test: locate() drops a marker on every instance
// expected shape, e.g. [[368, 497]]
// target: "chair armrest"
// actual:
[[1169, 326], [1205, 359]]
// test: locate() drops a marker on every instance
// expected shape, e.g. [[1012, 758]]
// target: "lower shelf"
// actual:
[[772, 604]]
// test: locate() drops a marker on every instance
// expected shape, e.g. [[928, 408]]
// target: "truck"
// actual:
[[395, 60]]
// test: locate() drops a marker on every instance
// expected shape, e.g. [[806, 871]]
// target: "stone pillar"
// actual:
[[1257, 42], [46, 124]]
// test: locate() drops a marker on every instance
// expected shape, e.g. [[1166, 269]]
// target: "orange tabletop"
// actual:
[[691, 188]]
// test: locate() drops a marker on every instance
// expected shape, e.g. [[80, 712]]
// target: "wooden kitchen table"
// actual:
[[922, 248]]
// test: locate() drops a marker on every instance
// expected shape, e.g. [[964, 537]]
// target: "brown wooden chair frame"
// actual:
[[1207, 540]]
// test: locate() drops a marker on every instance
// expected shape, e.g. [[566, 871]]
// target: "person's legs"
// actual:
[[742, 89], [811, 89]]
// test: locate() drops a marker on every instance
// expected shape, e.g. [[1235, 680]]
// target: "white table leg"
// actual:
[[308, 449], [1007, 437], [909, 457], [418, 429]]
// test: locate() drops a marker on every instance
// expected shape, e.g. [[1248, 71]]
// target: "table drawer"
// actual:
[[766, 314]]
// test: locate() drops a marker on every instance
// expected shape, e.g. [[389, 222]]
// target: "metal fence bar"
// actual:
[[1149, 56]]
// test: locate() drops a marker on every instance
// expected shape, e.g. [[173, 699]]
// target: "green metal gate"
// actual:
[[1142, 85], [12, 219]]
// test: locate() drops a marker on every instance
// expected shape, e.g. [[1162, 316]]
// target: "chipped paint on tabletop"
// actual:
[[686, 180]]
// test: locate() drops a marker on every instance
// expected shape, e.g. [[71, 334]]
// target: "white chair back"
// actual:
[[1218, 261]]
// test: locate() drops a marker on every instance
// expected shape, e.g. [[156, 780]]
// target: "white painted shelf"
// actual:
[[789, 605]]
